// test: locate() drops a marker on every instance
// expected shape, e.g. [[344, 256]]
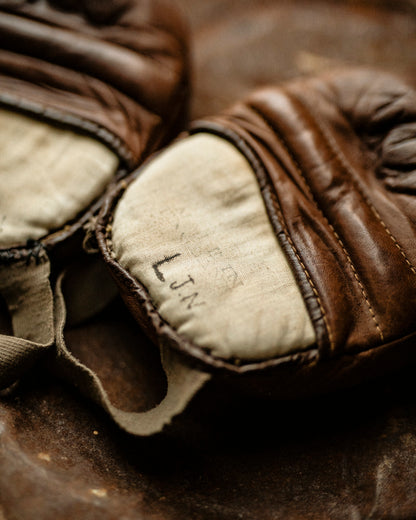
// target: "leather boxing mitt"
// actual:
[[87, 91], [273, 248]]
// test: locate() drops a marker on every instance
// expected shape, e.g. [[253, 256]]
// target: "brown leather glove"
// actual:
[[117, 70], [87, 91], [334, 158]]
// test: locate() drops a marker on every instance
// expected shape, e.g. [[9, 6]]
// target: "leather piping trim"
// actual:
[[161, 331], [277, 220], [69, 121]]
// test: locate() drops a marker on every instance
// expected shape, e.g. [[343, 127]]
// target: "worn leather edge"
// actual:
[[140, 303], [177, 121], [69, 121], [277, 220], [61, 235]]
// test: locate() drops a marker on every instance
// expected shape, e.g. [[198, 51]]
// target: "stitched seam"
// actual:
[[344, 163], [282, 222], [250, 155], [73, 121], [311, 283], [331, 227], [199, 352]]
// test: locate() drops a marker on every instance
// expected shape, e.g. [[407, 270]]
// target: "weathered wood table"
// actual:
[[350, 455]]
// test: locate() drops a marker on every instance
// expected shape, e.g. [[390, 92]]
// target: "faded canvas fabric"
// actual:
[[194, 230], [331, 161], [48, 175], [26, 289]]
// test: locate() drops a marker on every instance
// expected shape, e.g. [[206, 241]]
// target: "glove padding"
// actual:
[[335, 157], [117, 70]]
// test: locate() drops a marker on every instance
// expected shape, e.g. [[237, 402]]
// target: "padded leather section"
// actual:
[[193, 229], [47, 176], [118, 69], [337, 156]]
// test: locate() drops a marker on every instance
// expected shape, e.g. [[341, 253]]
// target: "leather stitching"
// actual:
[[326, 139], [331, 227], [344, 163], [308, 276], [280, 216]]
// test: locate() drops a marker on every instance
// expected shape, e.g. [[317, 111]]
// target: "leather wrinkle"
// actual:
[[350, 335], [276, 206], [327, 139], [324, 216], [387, 310], [344, 251], [265, 182], [307, 186], [134, 57]]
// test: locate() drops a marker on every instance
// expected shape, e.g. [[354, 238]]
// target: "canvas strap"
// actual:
[[25, 287], [183, 381]]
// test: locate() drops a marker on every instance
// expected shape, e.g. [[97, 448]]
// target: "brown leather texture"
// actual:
[[118, 70], [349, 455], [333, 158]]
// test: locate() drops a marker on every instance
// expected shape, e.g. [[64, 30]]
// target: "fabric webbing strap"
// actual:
[[25, 286], [183, 382]]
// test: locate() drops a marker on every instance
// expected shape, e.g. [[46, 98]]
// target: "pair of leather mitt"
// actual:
[[269, 249]]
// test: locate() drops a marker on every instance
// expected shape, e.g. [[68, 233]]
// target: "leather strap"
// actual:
[[183, 381], [25, 286]]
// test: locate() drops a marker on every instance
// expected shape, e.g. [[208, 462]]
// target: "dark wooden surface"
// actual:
[[243, 44], [350, 455]]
